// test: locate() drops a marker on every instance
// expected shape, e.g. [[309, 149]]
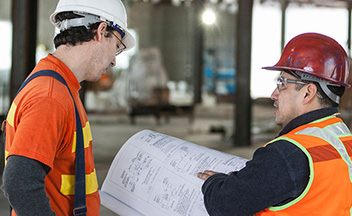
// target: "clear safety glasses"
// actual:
[[120, 47], [282, 81]]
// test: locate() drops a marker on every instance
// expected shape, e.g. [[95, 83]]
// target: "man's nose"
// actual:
[[275, 94]]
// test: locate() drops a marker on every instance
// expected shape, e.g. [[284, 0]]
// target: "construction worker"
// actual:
[[307, 168], [47, 125]]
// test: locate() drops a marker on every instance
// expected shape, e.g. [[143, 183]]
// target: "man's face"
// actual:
[[104, 57], [287, 101]]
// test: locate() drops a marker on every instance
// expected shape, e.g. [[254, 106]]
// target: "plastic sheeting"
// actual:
[[147, 76]]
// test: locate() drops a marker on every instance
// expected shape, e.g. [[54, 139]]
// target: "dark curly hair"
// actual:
[[76, 35]]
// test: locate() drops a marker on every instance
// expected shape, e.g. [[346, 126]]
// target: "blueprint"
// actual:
[[155, 174]]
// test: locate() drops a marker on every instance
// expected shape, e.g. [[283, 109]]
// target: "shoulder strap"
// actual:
[[80, 183]]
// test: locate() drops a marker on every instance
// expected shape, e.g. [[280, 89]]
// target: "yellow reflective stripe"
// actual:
[[11, 114], [68, 184], [87, 137]]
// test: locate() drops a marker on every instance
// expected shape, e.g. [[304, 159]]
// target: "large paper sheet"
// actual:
[[155, 174]]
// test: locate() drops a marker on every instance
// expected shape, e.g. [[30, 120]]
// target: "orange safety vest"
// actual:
[[327, 143]]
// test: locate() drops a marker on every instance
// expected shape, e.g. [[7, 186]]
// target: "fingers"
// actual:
[[206, 174]]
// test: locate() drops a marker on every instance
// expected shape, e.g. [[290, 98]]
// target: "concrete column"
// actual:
[[284, 5], [24, 24], [198, 52], [349, 27], [243, 105]]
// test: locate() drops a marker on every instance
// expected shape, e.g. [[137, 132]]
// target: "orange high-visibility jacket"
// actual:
[[327, 142]]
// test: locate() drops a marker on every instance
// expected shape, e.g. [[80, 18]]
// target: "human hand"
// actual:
[[206, 174]]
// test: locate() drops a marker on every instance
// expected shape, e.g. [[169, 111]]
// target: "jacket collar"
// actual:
[[306, 118]]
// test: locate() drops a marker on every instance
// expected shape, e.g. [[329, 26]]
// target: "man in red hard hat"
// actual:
[[49, 155], [307, 168]]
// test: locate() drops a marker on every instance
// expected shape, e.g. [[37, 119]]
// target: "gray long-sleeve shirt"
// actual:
[[23, 186]]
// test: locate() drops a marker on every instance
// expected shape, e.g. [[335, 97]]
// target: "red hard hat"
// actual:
[[317, 55]]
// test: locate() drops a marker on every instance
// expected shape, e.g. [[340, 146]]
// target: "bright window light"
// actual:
[[208, 17], [5, 44], [122, 60]]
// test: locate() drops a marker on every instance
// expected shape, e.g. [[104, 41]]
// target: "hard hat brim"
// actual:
[[128, 40]]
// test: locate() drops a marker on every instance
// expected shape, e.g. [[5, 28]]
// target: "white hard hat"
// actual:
[[111, 11]]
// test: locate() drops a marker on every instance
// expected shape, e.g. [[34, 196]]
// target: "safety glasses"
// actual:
[[282, 82], [120, 47]]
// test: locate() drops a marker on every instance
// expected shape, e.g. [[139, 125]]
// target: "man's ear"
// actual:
[[100, 32], [310, 93]]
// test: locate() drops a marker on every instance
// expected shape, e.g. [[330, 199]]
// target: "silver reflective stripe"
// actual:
[[339, 129], [331, 134]]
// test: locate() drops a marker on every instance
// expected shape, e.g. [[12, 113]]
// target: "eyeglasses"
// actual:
[[121, 47], [282, 81]]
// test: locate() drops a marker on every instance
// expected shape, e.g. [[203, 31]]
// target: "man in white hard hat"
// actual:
[[47, 123]]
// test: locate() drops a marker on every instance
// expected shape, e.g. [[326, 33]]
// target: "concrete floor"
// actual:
[[110, 131]]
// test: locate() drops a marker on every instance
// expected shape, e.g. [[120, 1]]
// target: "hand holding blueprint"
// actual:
[[156, 174]]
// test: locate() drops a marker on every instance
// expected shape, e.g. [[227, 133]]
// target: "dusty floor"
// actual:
[[110, 131]]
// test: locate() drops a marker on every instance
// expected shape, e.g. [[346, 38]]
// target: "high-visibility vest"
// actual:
[[327, 142]]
